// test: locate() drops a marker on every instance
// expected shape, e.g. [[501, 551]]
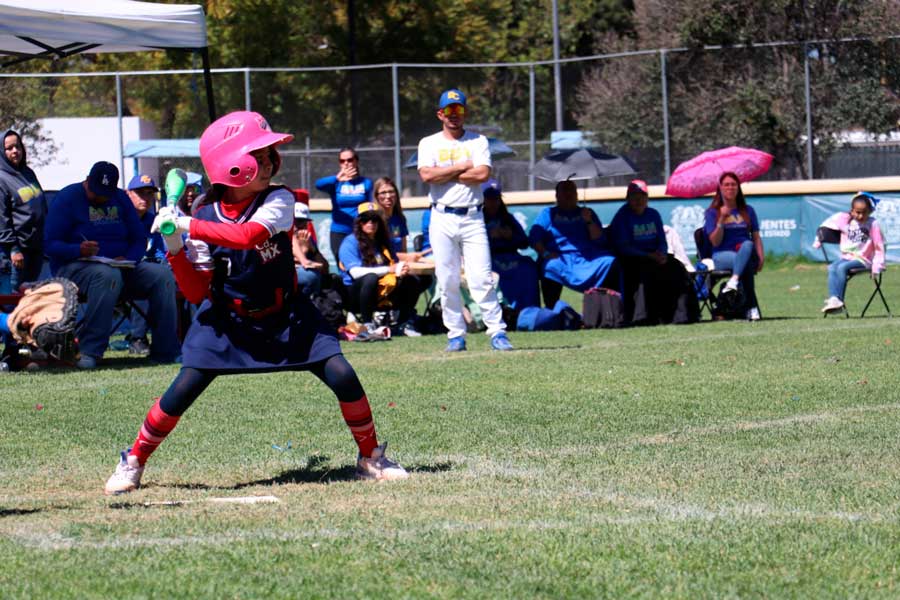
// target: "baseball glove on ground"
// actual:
[[45, 317]]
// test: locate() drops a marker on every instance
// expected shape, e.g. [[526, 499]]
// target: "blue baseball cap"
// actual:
[[141, 180], [451, 96], [491, 186], [103, 179]]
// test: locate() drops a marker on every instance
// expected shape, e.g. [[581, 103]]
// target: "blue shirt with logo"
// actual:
[[638, 235], [397, 230], [114, 225], [737, 231], [345, 197]]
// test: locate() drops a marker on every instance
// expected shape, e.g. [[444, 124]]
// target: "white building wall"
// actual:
[[81, 142]]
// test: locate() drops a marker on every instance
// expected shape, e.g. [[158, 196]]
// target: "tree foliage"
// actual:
[[749, 93], [254, 33]]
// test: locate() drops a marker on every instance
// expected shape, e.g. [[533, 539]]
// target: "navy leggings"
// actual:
[[335, 372]]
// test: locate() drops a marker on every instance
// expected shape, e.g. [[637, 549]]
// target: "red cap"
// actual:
[[637, 185]]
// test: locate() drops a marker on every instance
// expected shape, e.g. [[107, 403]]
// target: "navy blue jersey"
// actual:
[[255, 339], [251, 277]]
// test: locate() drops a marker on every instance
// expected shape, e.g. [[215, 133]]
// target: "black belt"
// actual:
[[456, 211]]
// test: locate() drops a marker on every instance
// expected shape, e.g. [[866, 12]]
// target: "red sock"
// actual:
[[358, 417], [156, 427]]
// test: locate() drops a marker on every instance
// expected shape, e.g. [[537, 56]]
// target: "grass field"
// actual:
[[711, 460]]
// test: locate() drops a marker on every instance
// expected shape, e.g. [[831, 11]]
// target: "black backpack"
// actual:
[[730, 305], [603, 308], [331, 305]]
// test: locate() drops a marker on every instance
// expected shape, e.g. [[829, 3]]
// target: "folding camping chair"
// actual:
[[711, 277], [826, 235]]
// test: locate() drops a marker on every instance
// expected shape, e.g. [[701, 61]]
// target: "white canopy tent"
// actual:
[[51, 29]]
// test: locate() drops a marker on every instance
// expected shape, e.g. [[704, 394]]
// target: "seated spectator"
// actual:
[[862, 246], [388, 197], [301, 195], [92, 223], [23, 208], [193, 189], [310, 264], [732, 228], [425, 250], [570, 245], [652, 278], [374, 277], [142, 192], [518, 274]]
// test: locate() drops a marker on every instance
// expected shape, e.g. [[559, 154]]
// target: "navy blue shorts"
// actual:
[[292, 339]]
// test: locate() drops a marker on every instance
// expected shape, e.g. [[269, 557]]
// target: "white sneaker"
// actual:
[[833, 304], [730, 286], [409, 330], [127, 477], [379, 467], [753, 314]]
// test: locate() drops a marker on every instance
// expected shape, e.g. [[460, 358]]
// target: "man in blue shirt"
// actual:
[[142, 192], [94, 237], [656, 285]]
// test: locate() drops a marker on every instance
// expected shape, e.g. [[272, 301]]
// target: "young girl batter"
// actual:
[[238, 261]]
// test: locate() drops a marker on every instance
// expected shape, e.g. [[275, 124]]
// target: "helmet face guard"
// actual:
[[227, 144]]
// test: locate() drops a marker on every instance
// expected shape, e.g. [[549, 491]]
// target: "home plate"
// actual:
[[229, 500]]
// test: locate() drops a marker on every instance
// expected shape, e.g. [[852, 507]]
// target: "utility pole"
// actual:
[[351, 46], [557, 85]]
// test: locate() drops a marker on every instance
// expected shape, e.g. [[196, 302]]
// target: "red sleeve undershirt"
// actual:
[[237, 236], [193, 284]]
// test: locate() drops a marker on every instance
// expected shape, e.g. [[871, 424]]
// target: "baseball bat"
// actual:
[[176, 182]]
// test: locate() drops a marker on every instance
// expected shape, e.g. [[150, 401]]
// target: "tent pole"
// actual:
[[207, 78], [121, 137]]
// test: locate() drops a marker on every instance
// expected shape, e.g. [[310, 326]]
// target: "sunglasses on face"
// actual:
[[454, 109], [373, 218], [301, 222], [347, 160]]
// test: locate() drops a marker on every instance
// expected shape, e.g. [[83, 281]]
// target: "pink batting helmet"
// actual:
[[226, 145]]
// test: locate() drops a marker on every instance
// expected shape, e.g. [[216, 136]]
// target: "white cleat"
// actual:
[[127, 477], [379, 467]]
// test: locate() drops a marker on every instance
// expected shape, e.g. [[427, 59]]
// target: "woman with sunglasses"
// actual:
[[347, 189], [374, 276]]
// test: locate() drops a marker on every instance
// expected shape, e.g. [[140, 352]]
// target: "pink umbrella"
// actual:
[[700, 175]]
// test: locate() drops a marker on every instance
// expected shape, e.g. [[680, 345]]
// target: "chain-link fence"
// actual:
[[824, 109]]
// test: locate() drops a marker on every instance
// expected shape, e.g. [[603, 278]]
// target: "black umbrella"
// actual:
[[584, 163]]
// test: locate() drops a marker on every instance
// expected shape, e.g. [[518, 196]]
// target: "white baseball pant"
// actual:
[[456, 237]]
